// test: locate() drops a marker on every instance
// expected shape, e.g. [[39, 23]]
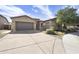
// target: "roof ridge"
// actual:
[[5, 18], [26, 16]]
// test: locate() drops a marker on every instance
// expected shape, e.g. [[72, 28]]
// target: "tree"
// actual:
[[66, 16], [77, 20]]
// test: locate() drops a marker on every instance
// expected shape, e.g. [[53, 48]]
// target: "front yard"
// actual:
[[61, 33]]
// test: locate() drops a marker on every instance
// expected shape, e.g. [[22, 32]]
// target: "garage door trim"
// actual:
[[24, 26]]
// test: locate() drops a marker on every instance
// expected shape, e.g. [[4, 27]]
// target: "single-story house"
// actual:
[[24, 22], [48, 24], [4, 24]]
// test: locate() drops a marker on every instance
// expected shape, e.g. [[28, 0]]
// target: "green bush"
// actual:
[[51, 32]]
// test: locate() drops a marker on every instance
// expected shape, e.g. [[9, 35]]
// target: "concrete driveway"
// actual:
[[30, 43]]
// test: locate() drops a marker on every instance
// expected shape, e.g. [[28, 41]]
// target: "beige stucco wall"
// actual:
[[49, 24], [21, 19], [40, 26], [2, 22]]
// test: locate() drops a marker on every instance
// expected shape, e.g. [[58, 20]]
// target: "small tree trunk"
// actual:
[[64, 27]]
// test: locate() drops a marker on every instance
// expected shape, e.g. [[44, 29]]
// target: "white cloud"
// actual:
[[35, 10], [74, 6], [11, 11], [45, 10]]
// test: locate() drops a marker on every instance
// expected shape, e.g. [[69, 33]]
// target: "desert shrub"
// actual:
[[51, 32]]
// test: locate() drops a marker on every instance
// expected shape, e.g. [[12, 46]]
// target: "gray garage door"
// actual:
[[24, 26]]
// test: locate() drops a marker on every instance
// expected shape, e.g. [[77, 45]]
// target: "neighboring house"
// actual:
[[4, 24], [24, 22], [48, 24]]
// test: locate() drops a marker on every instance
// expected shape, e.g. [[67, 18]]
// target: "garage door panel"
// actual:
[[24, 26]]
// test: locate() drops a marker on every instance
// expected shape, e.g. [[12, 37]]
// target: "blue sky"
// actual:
[[43, 12]]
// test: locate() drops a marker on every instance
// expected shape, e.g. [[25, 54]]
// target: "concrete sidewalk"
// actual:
[[35, 43], [71, 43]]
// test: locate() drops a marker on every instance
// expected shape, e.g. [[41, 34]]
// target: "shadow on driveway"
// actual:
[[26, 32], [75, 33]]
